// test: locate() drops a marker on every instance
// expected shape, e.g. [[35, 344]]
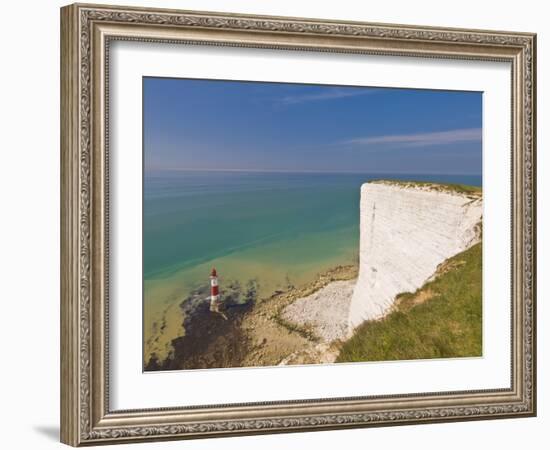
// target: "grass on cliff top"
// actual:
[[440, 320], [450, 187]]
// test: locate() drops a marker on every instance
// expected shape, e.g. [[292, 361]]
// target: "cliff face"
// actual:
[[406, 231]]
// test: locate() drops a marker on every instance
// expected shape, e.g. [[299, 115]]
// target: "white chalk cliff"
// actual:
[[406, 231]]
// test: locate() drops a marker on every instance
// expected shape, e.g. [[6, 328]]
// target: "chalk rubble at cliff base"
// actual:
[[325, 310]]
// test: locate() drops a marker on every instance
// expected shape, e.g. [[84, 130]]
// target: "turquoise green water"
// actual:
[[275, 228]]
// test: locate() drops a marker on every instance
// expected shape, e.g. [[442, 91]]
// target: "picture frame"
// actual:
[[87, 32]]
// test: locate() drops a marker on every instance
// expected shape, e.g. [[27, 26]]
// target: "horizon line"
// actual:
[[239, 170]]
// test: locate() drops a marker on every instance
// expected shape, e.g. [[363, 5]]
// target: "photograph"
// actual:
[[295, 224]]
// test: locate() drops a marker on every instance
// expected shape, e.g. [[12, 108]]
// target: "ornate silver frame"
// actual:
[[86, 31]]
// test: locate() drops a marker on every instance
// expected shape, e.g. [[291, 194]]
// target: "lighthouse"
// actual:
[[214, 291]]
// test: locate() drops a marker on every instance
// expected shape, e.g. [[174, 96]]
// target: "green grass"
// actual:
[[450, 187], [447, 323]]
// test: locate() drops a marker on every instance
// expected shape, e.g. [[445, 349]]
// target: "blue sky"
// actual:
[[228, 125]]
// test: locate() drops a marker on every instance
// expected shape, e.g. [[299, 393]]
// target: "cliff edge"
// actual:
[[407, 229]]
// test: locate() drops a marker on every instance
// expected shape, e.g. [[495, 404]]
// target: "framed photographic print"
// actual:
[[276, 224]]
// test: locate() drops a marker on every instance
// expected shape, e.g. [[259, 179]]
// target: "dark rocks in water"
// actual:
[[231, 294], [211, 340], [251, 294], [195, 302], [235, 295], [153, 364]]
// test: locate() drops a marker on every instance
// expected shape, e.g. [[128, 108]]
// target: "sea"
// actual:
[[278, 229]]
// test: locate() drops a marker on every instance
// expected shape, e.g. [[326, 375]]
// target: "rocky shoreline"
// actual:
[[294, 326]]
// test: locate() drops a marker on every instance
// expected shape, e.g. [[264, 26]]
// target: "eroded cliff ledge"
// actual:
[[406, 231]]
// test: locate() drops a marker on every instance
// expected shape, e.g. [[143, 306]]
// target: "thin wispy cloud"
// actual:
[[326, 94], [420, 139]]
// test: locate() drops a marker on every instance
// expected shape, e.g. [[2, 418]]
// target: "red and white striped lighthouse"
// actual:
[[214, 291]]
